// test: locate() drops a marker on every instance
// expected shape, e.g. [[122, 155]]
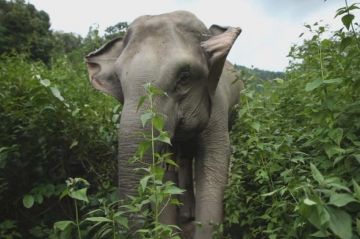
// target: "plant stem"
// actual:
[[156, 213], [322, 66], [77, 219]]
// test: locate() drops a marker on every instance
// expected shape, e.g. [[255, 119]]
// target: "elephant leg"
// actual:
[[211, 174], [187, 209]]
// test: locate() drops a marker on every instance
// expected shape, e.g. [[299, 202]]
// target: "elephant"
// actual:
[[181, 56]]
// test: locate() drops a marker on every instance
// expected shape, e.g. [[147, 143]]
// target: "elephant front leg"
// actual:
[[187, 209], [211, 174]]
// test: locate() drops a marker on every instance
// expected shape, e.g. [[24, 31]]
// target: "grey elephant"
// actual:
[[178, 54]]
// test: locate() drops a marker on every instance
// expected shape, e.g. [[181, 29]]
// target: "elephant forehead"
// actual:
[[160, 25]]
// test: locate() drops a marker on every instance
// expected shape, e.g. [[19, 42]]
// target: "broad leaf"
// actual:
[[356, 189], [141, 102], [55, 91], [173, 190], [316, 174], [145, 117], [309, 202], [45, 82], [62, 225], [143, 182], [336, 135], [255, 125], [341, 199], [28, 201], [347, 20], [340, 223], [313, 85], [79, 195], [345, 42]]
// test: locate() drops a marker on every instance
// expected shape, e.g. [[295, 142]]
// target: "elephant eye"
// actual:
[[184, 78]]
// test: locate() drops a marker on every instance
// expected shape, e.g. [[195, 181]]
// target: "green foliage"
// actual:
[[25, 29], [54, 125], [295, 164]]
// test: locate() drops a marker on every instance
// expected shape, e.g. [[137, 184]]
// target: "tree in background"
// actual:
[[24, 29]]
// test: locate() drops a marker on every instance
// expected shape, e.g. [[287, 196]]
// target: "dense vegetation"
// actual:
[[296, 142]]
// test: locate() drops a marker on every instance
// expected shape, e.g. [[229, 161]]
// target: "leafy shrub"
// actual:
[[296, 161], [53, 126]]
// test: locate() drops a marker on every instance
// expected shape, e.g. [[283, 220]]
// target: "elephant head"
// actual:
[[176, 53]]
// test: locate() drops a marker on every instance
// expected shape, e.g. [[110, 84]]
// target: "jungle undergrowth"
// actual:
[[111, 218]]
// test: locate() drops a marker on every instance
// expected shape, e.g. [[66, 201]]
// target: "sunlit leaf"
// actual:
[[316, 174], [45, 82], [62, 225], [55, 91], [341, 199], [28, 201], [145, 118], [79, 194], [313, 85], [98, 219]]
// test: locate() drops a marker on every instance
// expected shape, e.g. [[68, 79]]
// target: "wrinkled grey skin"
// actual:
[[178, 54]]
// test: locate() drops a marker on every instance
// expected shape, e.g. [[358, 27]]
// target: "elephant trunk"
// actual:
[[130, 135]]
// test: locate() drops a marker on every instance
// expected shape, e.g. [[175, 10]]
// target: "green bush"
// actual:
[[53, 126], [296, 155]]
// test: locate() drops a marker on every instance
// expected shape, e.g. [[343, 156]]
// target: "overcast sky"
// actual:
[[269, 27]]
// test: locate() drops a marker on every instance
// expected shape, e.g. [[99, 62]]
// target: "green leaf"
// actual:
[[333, 81], [352, 7], [171, 162], [356, 189], [143, 148], [141, 102], [347, 20], [158, 122], [38, 198], [73, 144], [55, 91], [45, 82], [345, 42], [316, 174], [154, 90], [321, 234], [340, 223], [143, 182], [98, 219], [164, 137], [255, 125], [309, 202], [336, 135], [332, 150], [145, 117], [79, 194], [313, 85], [123, 221], [62, 225], [341, 199], [173, 190], [28, 201]]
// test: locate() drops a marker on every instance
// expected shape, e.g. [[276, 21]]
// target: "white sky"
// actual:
[[269, 27]]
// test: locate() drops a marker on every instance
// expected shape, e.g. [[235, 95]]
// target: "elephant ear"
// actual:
[[217, 48], [101, 68]]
